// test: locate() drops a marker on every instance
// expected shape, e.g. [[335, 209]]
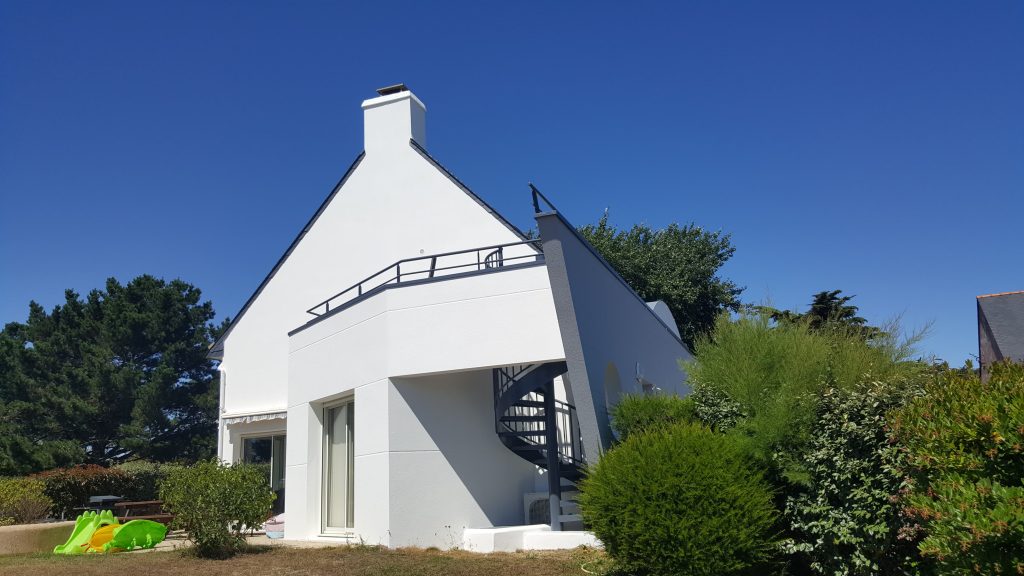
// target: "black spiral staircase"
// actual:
[[538, 427]]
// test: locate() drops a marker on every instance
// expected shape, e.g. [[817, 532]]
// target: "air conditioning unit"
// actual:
[[537, 509]]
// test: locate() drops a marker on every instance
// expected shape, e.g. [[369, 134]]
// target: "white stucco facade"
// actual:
[[411, 365]]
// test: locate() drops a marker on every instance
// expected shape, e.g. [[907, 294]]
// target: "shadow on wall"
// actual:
[[454, 413], [612, 387]]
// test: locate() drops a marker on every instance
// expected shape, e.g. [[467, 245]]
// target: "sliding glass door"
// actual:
[[268, 452], [339, 460]]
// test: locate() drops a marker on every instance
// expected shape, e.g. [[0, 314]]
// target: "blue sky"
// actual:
[[874, 147]]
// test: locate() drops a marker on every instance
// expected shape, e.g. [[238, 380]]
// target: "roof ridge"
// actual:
[[1001, 294]]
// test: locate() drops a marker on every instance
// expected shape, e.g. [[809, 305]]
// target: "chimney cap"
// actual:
[[393, 89]]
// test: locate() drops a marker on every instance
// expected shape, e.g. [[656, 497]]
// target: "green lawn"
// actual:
[[354, 561]]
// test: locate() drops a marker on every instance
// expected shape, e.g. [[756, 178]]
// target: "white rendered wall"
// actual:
[[609, 333], [448, 469], [394, 205], [446, 329]]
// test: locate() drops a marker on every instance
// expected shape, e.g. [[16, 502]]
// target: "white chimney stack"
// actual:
[[393, 118]]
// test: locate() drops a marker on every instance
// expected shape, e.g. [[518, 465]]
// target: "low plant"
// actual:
[[636, 413], [681, 501], [215, 504], [22, 501], [965, 462], [70, 488]]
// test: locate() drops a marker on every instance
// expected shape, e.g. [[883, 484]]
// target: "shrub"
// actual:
[[849, 522], [144, 478], [72, 487], [965, 458], [637, 412], [22, 500], [683, 501], [763, 380], [214, 503]]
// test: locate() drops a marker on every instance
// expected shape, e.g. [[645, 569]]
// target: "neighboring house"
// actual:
[[415, 369], [1000, 329]]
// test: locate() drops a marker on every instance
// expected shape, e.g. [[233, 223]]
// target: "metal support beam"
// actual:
[[551, 451]]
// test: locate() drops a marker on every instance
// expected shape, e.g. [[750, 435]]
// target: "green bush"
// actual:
[[22, 500], [639, 412], [763, 380], [680, 501], [849, 521], [215, 503], [71, 487], [965, 458], [144, 478]]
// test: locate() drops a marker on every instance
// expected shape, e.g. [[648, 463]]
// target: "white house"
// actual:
[[416, 370]]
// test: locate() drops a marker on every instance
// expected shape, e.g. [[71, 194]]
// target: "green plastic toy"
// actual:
[[136, 534], [85, 525], [87, 536]]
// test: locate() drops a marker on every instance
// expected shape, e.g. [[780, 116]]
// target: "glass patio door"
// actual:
[[339, 457]]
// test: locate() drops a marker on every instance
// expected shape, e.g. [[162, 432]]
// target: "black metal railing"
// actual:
[[537, 198], [526, 416], [431, 266]]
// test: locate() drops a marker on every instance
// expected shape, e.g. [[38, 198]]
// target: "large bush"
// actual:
[[680, 501], [22, 500], [636, 413], [849, 521], [70, 488], [965, 457], [215, 504], [765, 379]]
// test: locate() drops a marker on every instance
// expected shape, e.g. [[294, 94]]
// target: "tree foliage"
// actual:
[[677, 264], [828, 310], [120, 374]]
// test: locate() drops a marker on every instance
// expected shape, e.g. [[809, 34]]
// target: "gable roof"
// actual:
[[1002, 316], [217, 348], [426, 155]]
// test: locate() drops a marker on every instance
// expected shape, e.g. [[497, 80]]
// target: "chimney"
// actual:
[[392, 118]]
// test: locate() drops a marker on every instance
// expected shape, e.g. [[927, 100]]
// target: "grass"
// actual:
[[350, 561]]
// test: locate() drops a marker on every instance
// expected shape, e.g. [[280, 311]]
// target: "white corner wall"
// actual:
[[449, 471], [417, 360], [612, 339]]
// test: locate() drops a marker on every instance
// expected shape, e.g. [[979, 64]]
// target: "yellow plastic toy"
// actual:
[[101, 537]]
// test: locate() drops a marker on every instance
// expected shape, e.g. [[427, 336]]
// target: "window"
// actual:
[[268, 452], [339, 466]]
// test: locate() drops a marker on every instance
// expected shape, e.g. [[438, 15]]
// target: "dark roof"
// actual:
[[218, 347], [1003, 315]]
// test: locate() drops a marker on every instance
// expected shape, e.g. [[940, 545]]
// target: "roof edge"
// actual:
[[217, 348], [1001, 294], [426, 155], [615, 273]]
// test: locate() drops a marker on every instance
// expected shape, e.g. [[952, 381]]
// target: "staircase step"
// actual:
[[540, 418], [529, 403], [570, 518], [521, 434]]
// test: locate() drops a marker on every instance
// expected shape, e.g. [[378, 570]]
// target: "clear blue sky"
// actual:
[[874, 147]]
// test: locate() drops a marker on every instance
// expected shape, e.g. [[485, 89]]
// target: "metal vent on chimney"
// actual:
[[395, 89]]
